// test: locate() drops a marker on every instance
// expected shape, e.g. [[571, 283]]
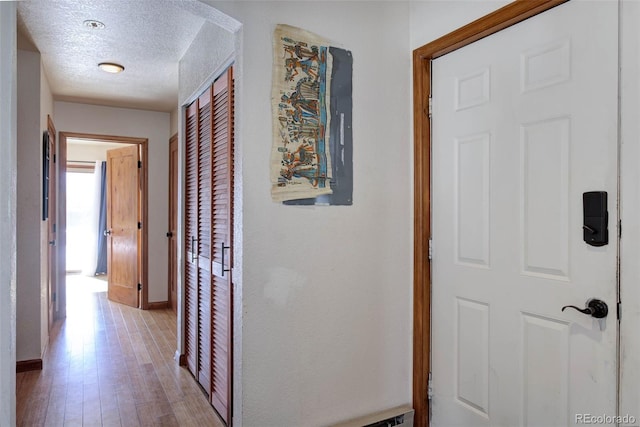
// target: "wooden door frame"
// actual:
[[173, 271], [492, 23], [52, 251], [62, 211]]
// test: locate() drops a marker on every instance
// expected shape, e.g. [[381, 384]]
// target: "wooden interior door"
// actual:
[[222, 214], [52, 223], [173, 223], [123, 216]]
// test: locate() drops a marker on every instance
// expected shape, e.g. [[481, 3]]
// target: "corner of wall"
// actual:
[[173, 121], [29, 208], [8, 102], [46, 109]]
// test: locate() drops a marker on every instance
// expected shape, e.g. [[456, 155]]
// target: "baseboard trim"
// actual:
[[181, 358], [28, 365], [158, 305]]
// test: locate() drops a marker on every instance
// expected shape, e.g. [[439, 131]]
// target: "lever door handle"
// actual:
[[595, 308], [107, 232], [52, 242], [169, 234], [223, 248], [194, 254]]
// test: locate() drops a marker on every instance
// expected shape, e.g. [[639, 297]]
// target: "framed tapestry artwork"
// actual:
[[312, 148]]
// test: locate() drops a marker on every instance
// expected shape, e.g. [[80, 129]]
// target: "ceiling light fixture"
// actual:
[[111, 67], [93, 24]]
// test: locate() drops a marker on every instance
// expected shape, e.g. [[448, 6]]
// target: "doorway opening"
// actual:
[[490, 24], [76, 174]]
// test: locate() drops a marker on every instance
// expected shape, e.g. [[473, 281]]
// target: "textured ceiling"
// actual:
[[148, 37]]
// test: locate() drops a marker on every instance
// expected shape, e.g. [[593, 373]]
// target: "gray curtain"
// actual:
[[102, 223]]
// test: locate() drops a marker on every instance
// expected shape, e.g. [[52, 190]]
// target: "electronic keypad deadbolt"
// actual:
[[595, 218]]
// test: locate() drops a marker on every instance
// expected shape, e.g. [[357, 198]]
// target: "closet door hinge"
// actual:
[[429, 387], [430, 106], [139, 226], [139, 286], [430, 255], [619, 311], [139, 164]]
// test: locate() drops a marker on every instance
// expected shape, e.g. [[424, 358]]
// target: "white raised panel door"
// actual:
[[524, 122]]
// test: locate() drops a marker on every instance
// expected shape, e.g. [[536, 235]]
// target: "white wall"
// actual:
[[90, 152], [8, 106], [46, 108], [94, 119], [630, 206], [198, 66], [34, 103], [327, 305], [431, 19], [173, 126], [29, 209]]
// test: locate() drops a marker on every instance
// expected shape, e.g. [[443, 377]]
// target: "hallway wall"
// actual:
[[326, 291], [95, 119], [8, 123], [34, 104]]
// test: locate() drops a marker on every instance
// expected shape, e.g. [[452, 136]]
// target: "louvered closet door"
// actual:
[[208, 233], [204, 240], [191, 236], [222, 208]]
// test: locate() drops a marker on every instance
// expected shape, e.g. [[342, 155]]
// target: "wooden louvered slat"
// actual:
[[204, 178], [204, 330], [204, 240], [191, 226], [222, 183], [191, 310]]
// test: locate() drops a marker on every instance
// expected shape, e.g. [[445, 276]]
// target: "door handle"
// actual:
[[194, 255], [52, 242], [169, 234], [595, 308], [107, 232], [223, 247]]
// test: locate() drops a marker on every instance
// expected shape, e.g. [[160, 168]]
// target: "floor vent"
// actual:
[[401, 416]]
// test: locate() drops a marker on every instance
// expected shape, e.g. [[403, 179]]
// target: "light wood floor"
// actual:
[[111, 365]]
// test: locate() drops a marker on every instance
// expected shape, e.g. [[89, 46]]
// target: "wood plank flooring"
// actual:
[[111, 365]]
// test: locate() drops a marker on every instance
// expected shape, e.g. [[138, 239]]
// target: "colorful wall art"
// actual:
[[312, 151]]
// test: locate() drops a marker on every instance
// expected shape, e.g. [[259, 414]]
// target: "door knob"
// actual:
[[169, 234], [595, 308]]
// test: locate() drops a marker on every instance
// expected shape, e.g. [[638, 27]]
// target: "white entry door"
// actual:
[[524, 122]]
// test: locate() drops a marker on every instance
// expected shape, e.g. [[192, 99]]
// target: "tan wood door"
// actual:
[[173, 222], [52, 222], [222, 248], [123, 182]]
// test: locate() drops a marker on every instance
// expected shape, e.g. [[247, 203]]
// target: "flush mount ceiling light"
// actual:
[[93, 24], [111, 67]]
